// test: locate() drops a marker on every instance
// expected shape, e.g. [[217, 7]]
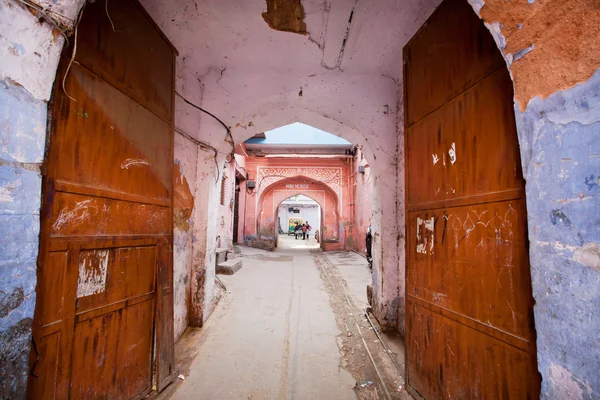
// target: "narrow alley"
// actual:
[[299, 199], [289, 327]]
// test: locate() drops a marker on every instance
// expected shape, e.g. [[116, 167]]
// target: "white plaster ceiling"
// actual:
[[233, 34], [250, 75]]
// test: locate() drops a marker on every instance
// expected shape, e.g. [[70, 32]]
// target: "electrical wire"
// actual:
[[108, 15], [229, 136], [203, 145], [53, 21], [350, 307], [389, 353], [73, 54]]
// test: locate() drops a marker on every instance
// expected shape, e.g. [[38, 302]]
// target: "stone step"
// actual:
[[223, 253], [229, 267]]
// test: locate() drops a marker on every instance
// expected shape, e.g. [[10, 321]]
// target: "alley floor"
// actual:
[[290, 326], [285, 241]]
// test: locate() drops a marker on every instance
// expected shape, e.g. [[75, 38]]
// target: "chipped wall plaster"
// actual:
[[553, 44], [30, 49], [186, 154], [560, 150]]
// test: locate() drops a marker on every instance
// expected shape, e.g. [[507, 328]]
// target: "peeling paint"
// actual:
[[93, 269], [11, 301], [183, 200], [425, 235], [588, 255], [76, 216], [521, 53], [285, 15], [452, 153], [14, 351]]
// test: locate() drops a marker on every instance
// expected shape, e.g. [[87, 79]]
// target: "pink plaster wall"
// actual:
[[274, 173], [186, 158], [363, 183]]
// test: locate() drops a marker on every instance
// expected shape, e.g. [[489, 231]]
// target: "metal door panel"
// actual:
[[451, 66], [81, 215], [106, 213], [465, 148], [145, 69], [447, 359], [469, 323], [117, 133], [470, 260]]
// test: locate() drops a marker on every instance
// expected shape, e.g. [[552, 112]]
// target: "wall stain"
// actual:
[[183, 200], [11, 301], [558, 216], [14, 352], [591, 181]]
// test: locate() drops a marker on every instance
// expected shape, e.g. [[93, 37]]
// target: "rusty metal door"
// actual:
[[104, 295], [469, 326]]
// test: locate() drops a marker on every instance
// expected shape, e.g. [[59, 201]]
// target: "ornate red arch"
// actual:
[[298, 178], [320, 192]]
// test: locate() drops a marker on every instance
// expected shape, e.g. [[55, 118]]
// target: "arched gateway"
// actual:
[[274, 194]]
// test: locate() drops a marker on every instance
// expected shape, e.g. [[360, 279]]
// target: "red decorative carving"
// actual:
[[331, 177]]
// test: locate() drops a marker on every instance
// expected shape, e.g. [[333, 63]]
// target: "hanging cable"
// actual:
[[74, 52], [55, 22], [108, 15], [229, 136], [202, 145]]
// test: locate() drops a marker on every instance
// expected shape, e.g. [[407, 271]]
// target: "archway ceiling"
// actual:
[[256, 78], [218, 34]]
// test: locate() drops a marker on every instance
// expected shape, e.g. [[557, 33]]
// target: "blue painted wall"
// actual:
[[560, 147], [22, 140]]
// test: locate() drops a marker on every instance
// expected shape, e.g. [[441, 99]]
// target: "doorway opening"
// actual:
[[298, 157], [236, 209], [299, 223]]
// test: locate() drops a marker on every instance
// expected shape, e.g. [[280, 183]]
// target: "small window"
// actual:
[[223, 187]]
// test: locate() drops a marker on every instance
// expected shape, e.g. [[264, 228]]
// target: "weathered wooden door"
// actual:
[[469, 326], [104, 295]]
